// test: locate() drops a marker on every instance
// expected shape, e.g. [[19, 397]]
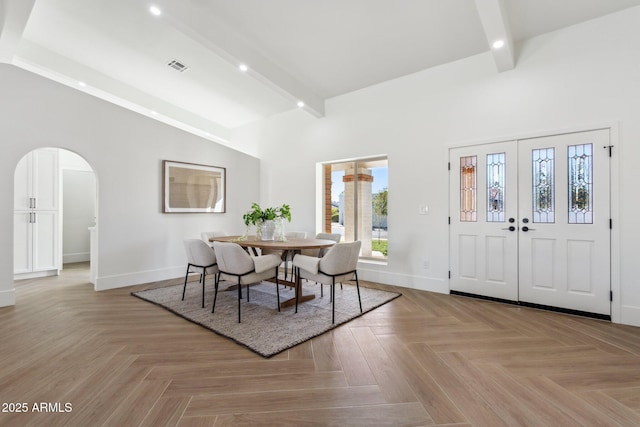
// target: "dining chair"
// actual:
[[288, 256], [206, 235], [336, 237], [236, 265], [201, 259], [337, 265]]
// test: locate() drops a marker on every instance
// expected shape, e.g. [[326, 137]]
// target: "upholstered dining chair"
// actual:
[[206, 235], [337, 265], [320, 252], [286, 256], [289, 255], [238, 266], [201, 259]]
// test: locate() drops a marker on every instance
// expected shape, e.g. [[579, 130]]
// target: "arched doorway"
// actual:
[[55, 205]]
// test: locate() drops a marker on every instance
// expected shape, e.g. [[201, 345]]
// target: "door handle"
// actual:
[[525, 229], [510, 228]]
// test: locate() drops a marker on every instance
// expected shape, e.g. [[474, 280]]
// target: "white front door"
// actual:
[[484, 209], [564, 251], [555, 190]]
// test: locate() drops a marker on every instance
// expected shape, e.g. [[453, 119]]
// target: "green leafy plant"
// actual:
[[257, 215]]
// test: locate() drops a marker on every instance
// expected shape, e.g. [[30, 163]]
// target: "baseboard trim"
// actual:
[[8, 297], [630, 315], [115, 281], [76, 257], [537, 306], [36, 274], [421, 283]]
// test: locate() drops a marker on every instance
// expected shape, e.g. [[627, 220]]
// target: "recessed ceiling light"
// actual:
[[498, 44], [243, 67], [300, 104], [155, 10], [83, 84]]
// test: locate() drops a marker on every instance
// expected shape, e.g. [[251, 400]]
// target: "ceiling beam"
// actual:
[[202, 26], [496, 27], [14, 15]]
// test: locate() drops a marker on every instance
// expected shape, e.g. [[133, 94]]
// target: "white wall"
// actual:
[[78, 212], [573, 79], [137, 243]]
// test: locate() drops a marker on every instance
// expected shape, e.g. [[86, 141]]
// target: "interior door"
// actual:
[[483, 207], [564, 210], [530, 221]]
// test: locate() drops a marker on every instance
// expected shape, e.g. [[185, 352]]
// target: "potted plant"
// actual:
[[265, 220]]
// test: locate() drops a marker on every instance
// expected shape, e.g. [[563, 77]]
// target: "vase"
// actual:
[[279, 231], [267, 230]]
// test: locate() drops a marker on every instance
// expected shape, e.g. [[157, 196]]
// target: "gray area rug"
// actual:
[[263, 329]]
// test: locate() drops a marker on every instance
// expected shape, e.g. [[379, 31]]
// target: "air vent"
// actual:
[[177, 65]]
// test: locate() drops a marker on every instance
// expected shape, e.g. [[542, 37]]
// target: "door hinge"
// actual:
[[449, 166], [449, 274], [610, 148], [449, 221], [610, 295], [611, 223]]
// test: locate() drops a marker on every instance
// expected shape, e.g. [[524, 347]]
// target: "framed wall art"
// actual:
[[189, 187]]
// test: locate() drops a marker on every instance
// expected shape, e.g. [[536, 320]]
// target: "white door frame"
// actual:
[[613, 126]]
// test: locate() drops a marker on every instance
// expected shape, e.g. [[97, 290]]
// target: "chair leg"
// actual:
[[298, 286], [355, 273], [185, 281], [333, 300], [239, 297], [321, 291], [215, 295], [204, 278], [277, 289]]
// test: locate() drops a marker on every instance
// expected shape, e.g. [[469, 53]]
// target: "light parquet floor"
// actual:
[[424, 359]]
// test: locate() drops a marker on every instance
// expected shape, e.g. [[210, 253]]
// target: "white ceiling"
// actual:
[[308, 50]]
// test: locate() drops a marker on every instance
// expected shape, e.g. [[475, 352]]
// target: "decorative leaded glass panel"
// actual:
[[543, 185], [580, 169], [495, 187], [468, 188]]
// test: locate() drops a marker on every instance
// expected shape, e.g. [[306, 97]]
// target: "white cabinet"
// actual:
[[36, 215]]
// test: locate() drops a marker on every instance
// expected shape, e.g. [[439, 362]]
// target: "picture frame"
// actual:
[[193, 188]]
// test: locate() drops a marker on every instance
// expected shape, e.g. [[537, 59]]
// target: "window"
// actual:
[[355, 201]]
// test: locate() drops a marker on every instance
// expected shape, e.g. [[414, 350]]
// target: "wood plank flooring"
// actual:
[[424, 359]]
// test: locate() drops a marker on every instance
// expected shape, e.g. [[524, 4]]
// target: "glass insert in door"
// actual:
[[468, 188], [543, 185], [580, 170], [495, 186]]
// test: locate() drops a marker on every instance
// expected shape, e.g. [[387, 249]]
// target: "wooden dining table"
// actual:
[[289, 246]]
